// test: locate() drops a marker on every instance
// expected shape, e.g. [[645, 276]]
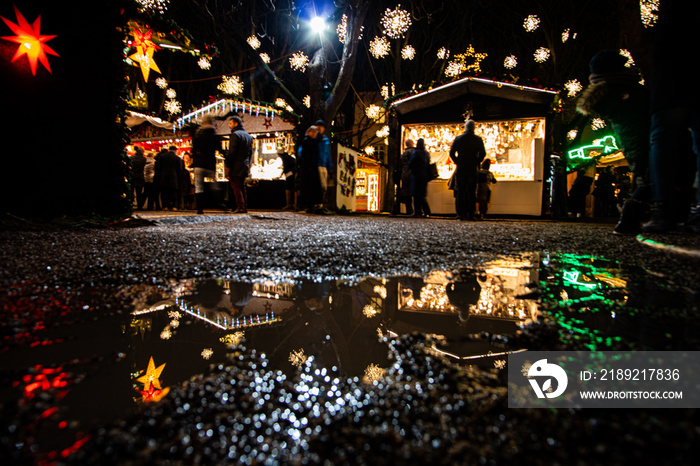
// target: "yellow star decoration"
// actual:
[[152, 376], [145, 48], [478, 57], [30, 40]]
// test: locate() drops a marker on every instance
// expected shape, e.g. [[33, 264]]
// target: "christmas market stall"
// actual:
[[359, 181], [511, 119], [272, 129]]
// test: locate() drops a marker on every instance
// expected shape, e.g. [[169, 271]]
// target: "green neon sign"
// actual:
[[606, 145]]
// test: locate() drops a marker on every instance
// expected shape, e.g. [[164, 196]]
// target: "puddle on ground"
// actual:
[[333, 329]]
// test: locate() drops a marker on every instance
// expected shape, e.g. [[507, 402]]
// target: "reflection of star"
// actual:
[[153, 394], [268, 123], [31, 42], [268, 306], [151, 376]]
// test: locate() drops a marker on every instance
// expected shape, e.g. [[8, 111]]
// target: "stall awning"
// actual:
[[476, 86], [135, 119]]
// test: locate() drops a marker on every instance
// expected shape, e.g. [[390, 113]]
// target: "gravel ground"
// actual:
[[426, 410]]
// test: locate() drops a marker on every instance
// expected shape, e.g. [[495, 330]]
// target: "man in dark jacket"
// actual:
[[240, 150], [138, 163], [168, 170], [467, 152], [204, 146]]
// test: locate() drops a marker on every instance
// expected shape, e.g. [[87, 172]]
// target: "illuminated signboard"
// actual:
[[604, 146]]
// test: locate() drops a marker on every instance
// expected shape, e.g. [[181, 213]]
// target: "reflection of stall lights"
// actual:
[[572, 278], [207, 353], [233, 322], [232, 339], [166, 334], [297, 358], [370, 311], [174, 314], [156, 6], [380, 290], [175, 323], [499, 364], [373, 373]]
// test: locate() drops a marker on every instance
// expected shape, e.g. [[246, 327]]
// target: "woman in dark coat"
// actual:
[[311, 191], [419, 165]]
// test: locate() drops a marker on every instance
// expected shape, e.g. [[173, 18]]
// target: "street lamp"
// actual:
[[318, 24]]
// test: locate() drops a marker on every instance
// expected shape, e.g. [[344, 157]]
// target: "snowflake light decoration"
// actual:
[[231, 85], [649, 10], [408, 53], [172, 106], [531, 23], [381, 134], [510, 62], [443, 53], [387, 90], [265, 57], [154, 6], [254, 42], [379, 47], [541, 55], [170, 93], [166, 333], [499, 364], [369, 150], [597, 123], [174, 314], [454, 68], [280, 102], [207, 353], [307, 101], [630, 61], [565, 35], [396, 22], [299, 61], [573, 87], [162, 83], [342, 29], [373, 111], [204, 63]]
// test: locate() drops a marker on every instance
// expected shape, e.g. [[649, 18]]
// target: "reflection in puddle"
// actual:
[[316, 340], [340, 324]]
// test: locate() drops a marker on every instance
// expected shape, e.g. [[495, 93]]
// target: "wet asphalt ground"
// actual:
[[62, 282]]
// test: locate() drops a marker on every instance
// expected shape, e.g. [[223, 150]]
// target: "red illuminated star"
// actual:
[[30, 40]]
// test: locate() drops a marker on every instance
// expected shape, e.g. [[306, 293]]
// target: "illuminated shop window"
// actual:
[[510, 144]]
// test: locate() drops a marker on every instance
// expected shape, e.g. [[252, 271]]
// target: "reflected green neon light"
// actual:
[[572, 278], [606, 145]]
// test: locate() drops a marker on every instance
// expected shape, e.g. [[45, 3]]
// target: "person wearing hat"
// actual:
[[204, 146], [467, 152], [616, 95], [325, 165]]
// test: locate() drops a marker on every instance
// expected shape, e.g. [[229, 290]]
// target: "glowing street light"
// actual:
[[318, 24]]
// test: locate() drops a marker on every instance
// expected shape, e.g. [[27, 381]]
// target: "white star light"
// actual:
[[170, 93], [254, 42], [510, 62], [531, 23], [204, 63], [408, 53], [373, 111], [379, 47], [162, 83], [231, 85], [172, 106], [396, 22], [299, 61]]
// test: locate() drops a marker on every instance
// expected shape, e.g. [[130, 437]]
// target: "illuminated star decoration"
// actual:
[[152, 376], [379, 47], [396, 22], [30, 40], [145, 48]]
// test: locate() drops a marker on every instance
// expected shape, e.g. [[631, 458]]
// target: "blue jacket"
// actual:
[[324, 152]]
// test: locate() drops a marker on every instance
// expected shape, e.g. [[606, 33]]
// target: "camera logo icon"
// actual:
[[542, 369]]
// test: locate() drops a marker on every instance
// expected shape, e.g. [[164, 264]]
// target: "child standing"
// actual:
[[483, 187]]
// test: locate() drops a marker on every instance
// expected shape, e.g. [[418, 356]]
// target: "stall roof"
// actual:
[[476, 86], [257, 117]]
